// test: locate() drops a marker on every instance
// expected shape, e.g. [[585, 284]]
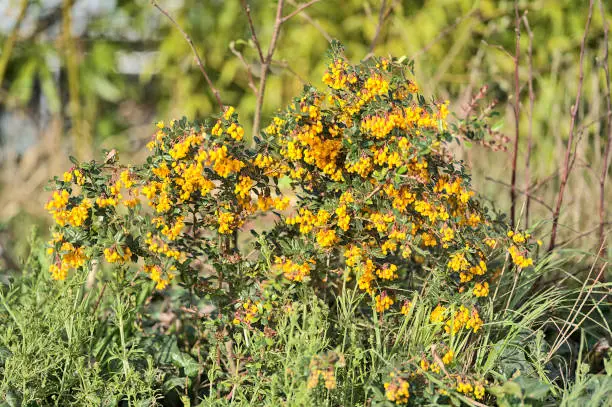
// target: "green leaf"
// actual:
[[188, 363]]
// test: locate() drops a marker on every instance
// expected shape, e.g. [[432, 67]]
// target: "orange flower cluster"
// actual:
[[374, 180]]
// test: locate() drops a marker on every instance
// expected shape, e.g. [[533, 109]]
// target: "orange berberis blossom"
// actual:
[[374, 200]]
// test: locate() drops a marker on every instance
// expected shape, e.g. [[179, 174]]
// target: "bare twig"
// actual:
[[247, 11], [97, 304], [530, 196], [383, 14], [266, 60], [517, 112], [608, 134], [195, 53], [7, 48], [285, 65], [298, 10], [579, 235], [499, 48], [381, 20], [266, 65], [314, 23], [570, 140], [246, 66], [530, 119]]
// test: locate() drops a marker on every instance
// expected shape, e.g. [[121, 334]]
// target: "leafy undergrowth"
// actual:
[[383, 280]]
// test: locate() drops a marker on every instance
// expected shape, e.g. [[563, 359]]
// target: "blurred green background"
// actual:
[[80, 76]]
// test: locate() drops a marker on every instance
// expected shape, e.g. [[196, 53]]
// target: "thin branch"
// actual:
[[530, 196], [582, 234], [266, 65], [247, 11], [574, 114], [499, 48], [195, 53], [285, 65], [606, 157], [314, 23], [517, 112], [97, 304], [246, 66], [298, 10], [382, 16], [530, 118]]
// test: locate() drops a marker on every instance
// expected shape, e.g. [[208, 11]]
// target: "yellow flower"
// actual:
[[406, 307], [383, 302], [226, 221], [243, 187], [397, 391], [464, 386], [458, 262], [448, 357], [326, 237], [481, 289], [387, 273], [294, 271], [518, 258], [112, 255], [437, 315], [479, 391]]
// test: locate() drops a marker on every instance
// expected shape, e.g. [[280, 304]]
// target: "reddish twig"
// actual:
[[97, 304], [608, 134], [517, 90], [266, 65], [570, 140], [195, 53], [382, 16], [530, 119], [381, 19], [247, 11]]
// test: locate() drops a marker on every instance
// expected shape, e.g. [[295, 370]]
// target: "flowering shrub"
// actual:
[[375, 205]]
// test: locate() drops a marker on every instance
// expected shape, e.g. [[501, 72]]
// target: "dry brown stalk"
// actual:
[[517, 112], [529, 118], [570, 140], [265, 65], [247, 11], [608, 133]]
